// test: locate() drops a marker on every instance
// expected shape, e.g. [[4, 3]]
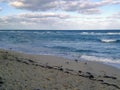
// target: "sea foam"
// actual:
[[109, 40], [100, 59]]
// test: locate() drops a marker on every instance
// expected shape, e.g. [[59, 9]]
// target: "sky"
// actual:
[[59, 14]]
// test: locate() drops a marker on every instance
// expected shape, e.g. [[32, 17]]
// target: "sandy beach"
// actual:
[[20, 71]]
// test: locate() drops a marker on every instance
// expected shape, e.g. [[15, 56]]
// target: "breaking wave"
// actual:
[[109, 40], [100, 59]]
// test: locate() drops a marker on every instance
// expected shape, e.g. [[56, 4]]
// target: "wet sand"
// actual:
[[20, 71]]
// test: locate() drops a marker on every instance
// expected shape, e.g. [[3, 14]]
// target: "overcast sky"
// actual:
[[60, 14]]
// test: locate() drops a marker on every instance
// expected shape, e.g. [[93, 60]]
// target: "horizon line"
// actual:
[[56, 29]]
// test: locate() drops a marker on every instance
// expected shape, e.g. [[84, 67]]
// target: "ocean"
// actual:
[[92, 45]]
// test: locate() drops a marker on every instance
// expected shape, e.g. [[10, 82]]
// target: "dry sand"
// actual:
[[20, 71]]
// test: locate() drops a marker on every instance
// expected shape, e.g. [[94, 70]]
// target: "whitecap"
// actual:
[[99, 33], [100, 59], [109, 40], [110, 33]]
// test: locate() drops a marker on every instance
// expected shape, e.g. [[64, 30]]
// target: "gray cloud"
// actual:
[[57, 21], [90, 11], [34, 5], [60, 20], [45, 15], [33, 19], [2, 0], [81, 6]]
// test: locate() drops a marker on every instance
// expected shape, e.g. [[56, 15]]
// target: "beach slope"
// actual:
[[20, 71]]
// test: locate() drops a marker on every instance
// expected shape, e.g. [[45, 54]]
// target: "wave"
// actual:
[[100, 59], [99, 33], [91, 33], [71, 49], [65, 48], [109, 40], [116, 33], [88, 51]]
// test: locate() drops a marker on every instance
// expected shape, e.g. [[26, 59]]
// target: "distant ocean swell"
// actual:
[[84, 32], [92, 45]]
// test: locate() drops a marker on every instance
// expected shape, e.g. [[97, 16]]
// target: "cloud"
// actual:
[[50, 20], [0, 9], [34, 5], [17, 4], [91, 11], [114, 16], [79, 6], [2, 0], [116, 2], [45, 15], [34, 16], [33, 20], [61, 14]]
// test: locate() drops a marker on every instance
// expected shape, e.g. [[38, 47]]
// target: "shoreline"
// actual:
[[20, 67], [111, 64]]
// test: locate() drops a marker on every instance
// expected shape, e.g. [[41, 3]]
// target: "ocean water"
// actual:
[[93, 45]]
